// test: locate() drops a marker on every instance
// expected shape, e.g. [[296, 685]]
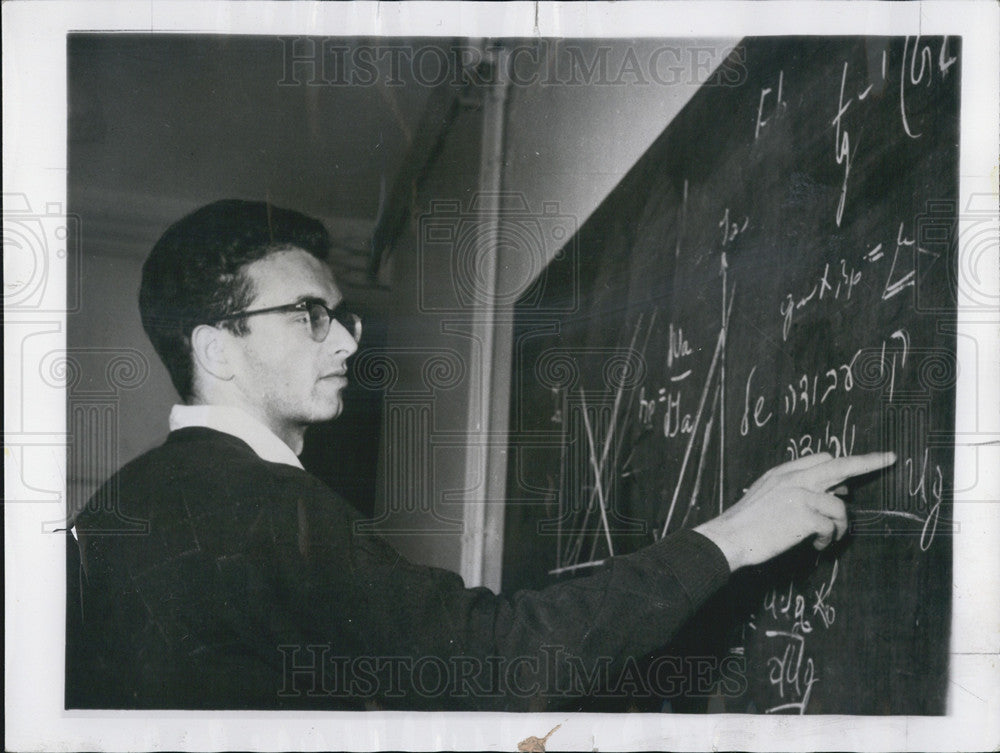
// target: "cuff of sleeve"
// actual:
[[698, 564]]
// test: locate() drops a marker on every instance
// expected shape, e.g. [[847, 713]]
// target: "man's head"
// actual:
[[232, 257]]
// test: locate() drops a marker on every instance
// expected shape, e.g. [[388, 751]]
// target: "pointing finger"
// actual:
[[778, 471], [804, 463], [834, 472]]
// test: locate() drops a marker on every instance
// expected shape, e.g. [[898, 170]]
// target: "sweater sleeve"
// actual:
[[470, 648]]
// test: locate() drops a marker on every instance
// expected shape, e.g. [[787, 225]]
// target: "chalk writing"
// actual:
[[927, 499], [787, 672], [842, 144], [917, 488], [910, 75], [893, 287], [841, 445], [732, 227], [827, 613], [759, 419], [790, 669], [602, 464], [720, 346], [897, 280], [776, 110], [673, 420], [724, 274], [811, 390], [801, 624], [775, 604], [841, 283], [647, 408], [677, 346], [877, 370]]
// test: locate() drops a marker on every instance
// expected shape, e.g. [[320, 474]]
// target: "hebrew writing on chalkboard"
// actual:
[[774, 278]]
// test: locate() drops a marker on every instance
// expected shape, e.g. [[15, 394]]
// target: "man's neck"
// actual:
[[294, 437], [291, 435]]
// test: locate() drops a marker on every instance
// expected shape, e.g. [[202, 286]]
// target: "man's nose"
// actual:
[[342, 339]]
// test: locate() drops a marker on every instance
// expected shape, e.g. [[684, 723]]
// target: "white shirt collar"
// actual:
[[239, 424]]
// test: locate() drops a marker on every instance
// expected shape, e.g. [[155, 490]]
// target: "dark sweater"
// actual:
[[250, 589]]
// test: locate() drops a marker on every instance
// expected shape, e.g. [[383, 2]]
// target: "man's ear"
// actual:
[[210, 353]]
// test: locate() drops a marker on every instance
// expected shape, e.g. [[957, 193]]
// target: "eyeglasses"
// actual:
[[319, 314]]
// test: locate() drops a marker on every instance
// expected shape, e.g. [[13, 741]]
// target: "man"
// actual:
[[251, 589]]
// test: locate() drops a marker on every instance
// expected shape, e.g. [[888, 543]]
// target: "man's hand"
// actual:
[[788, 504]]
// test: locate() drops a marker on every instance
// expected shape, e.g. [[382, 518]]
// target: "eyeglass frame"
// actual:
[[352, 325]]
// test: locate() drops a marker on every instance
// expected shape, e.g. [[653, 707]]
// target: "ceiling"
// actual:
[[160, 124]]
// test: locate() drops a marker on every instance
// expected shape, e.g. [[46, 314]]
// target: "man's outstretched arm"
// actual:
[[629, 607]]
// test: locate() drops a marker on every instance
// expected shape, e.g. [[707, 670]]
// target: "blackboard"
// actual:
[[776, 276]]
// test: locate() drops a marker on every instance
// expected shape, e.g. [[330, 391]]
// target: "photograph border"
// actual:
[[35, 164]]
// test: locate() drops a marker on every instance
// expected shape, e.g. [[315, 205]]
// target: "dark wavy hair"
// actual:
[[194, 274]]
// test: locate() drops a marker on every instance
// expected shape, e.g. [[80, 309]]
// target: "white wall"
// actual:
[[571, 143]]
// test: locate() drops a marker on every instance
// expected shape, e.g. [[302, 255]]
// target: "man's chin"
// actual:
[[327, 412], [328, 403]]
